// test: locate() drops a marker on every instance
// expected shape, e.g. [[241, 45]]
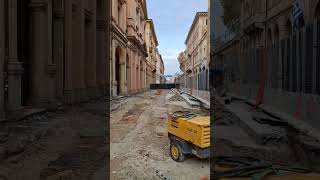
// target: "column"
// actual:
[[113, 70], [136, 80], [58, 45], [107, 45], [43, 69], [127, 71], [15, 69], [133, 72], [101, 68], [78, 51], [132, 69], [90, 57], [139, 73], [144, 74], [2, 57], [68, 84], [123, 83]]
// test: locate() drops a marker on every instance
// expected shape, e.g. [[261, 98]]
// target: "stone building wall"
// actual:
[[151, 43], [197, 44], [286, 80], [196, 61], [128, 67], [278, 17], [53, 52]]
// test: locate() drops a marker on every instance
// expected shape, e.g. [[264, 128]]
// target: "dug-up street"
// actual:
[[66, 144], [139, 146]]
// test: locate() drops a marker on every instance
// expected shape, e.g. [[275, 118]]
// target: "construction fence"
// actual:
[[285, 75], [197, 85]]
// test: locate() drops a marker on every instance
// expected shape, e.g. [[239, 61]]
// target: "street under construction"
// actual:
[[139, 144]]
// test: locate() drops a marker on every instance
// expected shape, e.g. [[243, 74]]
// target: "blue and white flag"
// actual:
[[297, 14]]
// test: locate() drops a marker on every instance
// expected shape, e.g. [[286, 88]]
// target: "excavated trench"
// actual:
[[241, 130]]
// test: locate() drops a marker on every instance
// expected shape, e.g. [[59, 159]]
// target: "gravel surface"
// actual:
[[139, 142], [50, 146]]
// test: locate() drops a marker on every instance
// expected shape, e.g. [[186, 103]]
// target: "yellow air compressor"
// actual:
[[188, 134]]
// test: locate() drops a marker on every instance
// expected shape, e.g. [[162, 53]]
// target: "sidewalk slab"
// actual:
[[203, 102], [189, 100], [300, 125], [259, 132]]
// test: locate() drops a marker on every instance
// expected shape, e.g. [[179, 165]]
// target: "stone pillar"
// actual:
[[145, 74], [58, 45], [139, 74], [2, 59], [132, 75], [131, 57], [43, 69], [68, 83], [128, 74], [101, 68], [123, 83], [14, 67], [136, 71], [78, 51], [113, 70], [107, 44], [90, 57]]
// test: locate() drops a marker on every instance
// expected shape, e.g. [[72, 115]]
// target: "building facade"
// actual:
[[196, 57], [265, 22], [128, 69], [153, 53], [51, 52], [197, 44], [159, 68], [273, 61]]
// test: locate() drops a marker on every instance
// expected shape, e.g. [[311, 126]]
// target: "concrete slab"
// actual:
[[191, 101], [32, 111], [300, 125], [259, 132]]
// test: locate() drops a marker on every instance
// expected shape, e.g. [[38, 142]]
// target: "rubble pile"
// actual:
[[173, 91], [176, 97]]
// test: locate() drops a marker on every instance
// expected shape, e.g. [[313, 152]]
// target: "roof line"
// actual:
[[198, 14], [153, 30]]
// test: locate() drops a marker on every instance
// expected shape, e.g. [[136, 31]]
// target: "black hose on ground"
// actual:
[[249, 167]]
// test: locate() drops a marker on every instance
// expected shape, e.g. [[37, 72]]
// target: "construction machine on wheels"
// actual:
[[188, 133]]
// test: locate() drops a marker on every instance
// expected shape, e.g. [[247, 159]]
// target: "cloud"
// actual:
[[172, 20], [171, 66], [170, 53], [170, 60]]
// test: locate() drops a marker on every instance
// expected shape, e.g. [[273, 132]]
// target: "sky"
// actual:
[[172, 20]]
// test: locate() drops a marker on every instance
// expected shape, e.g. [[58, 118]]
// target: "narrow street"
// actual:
[[139, 143]]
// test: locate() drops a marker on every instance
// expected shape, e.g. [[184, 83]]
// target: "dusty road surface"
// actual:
[[139, 146], [66, 144]]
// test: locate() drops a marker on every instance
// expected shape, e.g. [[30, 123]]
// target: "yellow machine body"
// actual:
[[195, 130]]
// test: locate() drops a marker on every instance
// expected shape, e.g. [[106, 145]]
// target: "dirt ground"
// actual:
[[139, 146], [56, 146]]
